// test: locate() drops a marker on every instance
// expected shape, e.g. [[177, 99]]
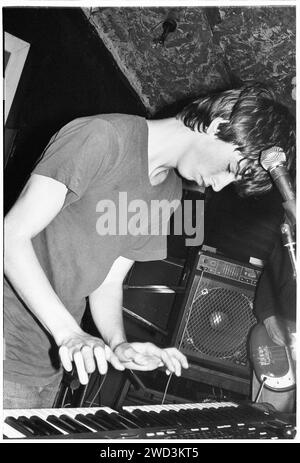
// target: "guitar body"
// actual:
[[272, 363]]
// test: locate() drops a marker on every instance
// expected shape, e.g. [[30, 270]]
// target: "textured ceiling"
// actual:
[[210, 48]]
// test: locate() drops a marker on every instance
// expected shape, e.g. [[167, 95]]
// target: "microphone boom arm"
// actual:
[[290, 244]]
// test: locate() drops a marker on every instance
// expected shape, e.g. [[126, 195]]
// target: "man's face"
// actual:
[[215, 164]]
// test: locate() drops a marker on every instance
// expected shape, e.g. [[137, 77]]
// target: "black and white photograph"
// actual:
[[149, 225]]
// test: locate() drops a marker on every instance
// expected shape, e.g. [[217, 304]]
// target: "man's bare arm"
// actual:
[[40, 201], [106, 303]]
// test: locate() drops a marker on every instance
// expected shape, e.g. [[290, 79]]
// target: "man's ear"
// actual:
[[213, 127]]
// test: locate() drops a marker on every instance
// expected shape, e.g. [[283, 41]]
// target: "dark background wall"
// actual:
[[68, 74]]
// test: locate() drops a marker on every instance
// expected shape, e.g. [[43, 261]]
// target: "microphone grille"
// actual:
[[272, 157]]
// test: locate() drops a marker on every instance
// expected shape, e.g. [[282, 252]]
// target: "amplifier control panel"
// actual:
[[224, 267]]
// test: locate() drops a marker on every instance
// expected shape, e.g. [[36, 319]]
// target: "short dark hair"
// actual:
[[256, 121]]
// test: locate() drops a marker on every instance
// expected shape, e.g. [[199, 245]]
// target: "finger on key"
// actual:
[[88, 359], [81, 371], [100, 359], [177, 366], [168, 361], [65, 358], [174, 352]]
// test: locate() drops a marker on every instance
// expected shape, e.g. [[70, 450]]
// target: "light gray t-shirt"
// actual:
[[96, 157]]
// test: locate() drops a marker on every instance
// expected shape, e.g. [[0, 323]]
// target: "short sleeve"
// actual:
[[77, 153]]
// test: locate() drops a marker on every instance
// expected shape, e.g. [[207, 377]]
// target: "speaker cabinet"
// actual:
[[216, 318]]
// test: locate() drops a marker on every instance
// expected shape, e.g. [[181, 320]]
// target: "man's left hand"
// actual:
[[146, 356]]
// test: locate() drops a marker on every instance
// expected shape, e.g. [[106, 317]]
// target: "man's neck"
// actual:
[[168, 139]]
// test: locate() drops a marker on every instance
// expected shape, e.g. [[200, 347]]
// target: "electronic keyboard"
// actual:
[[205, 420]]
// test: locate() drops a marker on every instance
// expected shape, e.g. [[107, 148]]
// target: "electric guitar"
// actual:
[[273, 364]]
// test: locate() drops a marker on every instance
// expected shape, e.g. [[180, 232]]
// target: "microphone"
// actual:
[[273, 161]]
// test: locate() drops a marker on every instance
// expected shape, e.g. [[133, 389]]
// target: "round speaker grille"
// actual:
[[219, 324]]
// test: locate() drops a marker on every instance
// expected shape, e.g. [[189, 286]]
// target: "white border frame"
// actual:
[[18, 50]]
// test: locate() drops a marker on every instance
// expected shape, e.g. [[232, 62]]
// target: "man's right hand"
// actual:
[[88, 353], [146, 356]]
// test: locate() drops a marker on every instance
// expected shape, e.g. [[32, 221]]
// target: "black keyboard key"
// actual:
[[146, 419], [31, 426], [88, 421], [119, 421], [127, 422], [43, 425], [111, 419], [13, 422], [156, 419], [61, 424], [79, 428], [196, 418], [171, 417], [104, 426], [107, 426], [151, 419], [184, 418], [132, 416]]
